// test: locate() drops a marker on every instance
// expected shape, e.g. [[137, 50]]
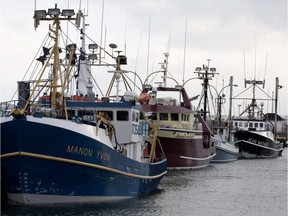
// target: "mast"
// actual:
[[165, 68], [57, 97], [230, 108], [253, 104], [205, 73], [205, 89], [276, 104], [55, 65]]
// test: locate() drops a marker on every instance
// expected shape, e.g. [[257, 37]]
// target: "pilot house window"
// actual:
[[174, 117], [122, 116], [164, 116]]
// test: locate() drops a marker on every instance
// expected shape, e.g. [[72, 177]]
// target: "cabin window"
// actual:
[[133, 116], [240, 124], [185, 117], [137, 116], [236, 124], [142, 116], [256, 125], [221, 131], [250, 124], [261, 125], [246, 124], [108, 114], [122, 116], [164, 116], [174, 117]]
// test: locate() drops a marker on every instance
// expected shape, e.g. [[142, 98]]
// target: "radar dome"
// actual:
[[130, 96]]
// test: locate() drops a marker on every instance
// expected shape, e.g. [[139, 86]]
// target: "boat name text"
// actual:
[[79, 150], [187, 136], [103, 156], [257, 142]]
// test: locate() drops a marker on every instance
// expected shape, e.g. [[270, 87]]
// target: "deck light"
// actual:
[[38, 14], [68, 12], [92, 57], [54, 11], [93, 47]]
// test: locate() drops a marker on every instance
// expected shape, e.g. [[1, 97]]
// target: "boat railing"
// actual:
[[7, 106]]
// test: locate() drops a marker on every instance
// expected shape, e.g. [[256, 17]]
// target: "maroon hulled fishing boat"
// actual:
[[183, 134]]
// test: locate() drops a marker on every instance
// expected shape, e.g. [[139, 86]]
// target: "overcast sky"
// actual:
[[220, 30]]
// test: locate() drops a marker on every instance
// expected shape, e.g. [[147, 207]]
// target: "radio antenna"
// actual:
[[184, 51]]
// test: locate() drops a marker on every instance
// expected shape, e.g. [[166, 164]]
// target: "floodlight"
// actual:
[[93, 47], [38, 14], [92, 57], [68, 12], [213, 69], [178, 87], [54, 11], [198, 69], [122, 60]]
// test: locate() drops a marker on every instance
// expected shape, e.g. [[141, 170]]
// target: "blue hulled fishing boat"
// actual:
[[63, 148]]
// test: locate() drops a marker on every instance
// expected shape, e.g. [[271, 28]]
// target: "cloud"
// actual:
[[217, 29]]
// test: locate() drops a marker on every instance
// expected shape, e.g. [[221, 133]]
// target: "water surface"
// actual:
[[245, 187]]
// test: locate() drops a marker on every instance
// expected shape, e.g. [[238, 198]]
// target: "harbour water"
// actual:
[[244, 187]]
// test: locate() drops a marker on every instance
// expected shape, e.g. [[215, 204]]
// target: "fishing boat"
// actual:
[[183, 134], [62, 148], [254, 133], [226, 150], [222, 137]]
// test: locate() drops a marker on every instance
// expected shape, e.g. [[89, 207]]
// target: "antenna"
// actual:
[[148, 46], [100, 57], [87, 6], [125, 33], [168, 48], [136, 62], [255, 56], [184, 51], [265, 69], [244, 69], [80, 4]]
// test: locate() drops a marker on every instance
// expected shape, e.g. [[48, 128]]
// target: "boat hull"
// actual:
[[185, 149], [225, 151], [256, 145], [77, 167]]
